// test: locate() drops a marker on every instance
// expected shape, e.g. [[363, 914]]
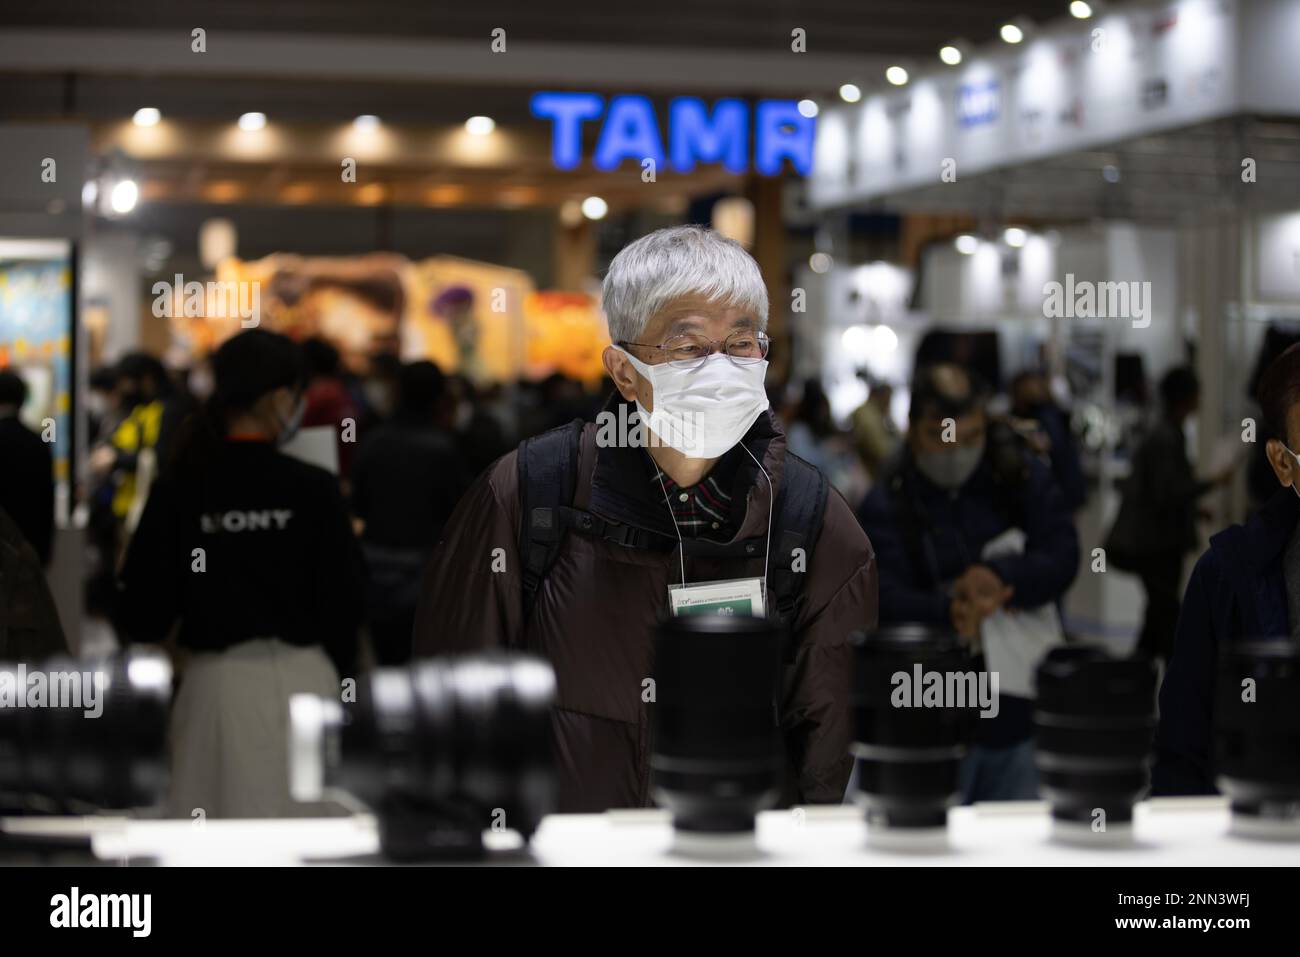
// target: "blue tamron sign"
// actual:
[[630, 131]]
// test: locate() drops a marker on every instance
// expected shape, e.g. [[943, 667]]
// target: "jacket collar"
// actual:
[[620, 493], [1259, 543]]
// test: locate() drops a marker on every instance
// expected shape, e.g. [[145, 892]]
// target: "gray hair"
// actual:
[[672, 263]]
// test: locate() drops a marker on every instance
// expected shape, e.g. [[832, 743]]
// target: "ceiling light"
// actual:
[[252, 121], [147, 116], [124, 196]]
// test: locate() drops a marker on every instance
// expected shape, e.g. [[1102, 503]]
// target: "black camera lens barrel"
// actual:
[[907, 759], [1257, 736], [72, 760], [717, 757], [439, 749], [1094, 722]]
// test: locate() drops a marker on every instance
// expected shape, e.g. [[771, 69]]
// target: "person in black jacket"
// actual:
[[29, 622], [406, 482], [249, 555], [1165, 493], [26, 471], [1031, 400], [959, 482], [1245, 587]]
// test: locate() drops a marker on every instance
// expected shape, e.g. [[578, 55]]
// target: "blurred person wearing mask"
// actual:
[[687, 497], [874, 433], [250, 556], [102, 412], [26, 471], [406, 481], [152, 412], [959, 483], [1155, 528], [1031, 401], [1245, 587], [327, 400]]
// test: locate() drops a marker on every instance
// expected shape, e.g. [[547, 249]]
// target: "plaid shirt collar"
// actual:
[[705, 508]]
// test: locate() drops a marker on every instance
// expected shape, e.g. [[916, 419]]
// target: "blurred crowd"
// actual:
[[969, 512], [410, 439]]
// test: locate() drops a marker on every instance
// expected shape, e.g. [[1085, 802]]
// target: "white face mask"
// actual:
[[702, 412]]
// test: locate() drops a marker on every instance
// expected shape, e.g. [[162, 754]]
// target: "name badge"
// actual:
[[737, 596]]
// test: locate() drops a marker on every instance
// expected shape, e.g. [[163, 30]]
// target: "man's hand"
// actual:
[[976, 594]]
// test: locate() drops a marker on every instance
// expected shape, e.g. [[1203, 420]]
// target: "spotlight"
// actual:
[[1015, 236], [480, 125], [820, 263], [950, 55], [1011, 33], [896, 75], [593, 207], [252, 121], [807, 108], [124, 196], [1080, 10], [147, 116], [850, 93], [366, 122], [966, 244]]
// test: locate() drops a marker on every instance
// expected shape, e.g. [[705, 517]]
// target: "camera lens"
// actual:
[[1094, 721], [441, 750], [908, 745], [717, 758], [84, 734], [1257, 737]]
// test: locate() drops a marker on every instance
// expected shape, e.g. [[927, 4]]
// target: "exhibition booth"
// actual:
[[1132, 203]]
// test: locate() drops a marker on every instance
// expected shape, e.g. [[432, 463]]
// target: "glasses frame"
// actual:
[[715, 346]]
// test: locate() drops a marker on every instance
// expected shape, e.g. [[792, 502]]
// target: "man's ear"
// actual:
[[622, 372], [1284, 466]]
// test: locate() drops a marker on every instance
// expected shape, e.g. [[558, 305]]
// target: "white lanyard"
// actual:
[[681, 548]]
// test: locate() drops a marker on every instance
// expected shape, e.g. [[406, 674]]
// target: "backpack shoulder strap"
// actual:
[[801, 507], [548, 467]]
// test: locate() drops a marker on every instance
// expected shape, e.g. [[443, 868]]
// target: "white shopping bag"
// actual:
[[1015, 640]]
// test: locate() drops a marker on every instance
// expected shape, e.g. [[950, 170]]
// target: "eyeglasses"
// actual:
[[690, 351]]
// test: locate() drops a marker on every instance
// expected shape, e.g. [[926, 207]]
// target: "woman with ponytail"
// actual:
[[245, 562]]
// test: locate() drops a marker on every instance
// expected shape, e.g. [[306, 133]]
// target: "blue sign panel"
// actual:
[[630, 131]]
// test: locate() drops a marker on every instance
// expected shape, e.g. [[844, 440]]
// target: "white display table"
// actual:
[[1166, 832]]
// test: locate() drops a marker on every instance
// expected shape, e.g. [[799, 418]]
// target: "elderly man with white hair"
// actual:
[[679, 497]]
